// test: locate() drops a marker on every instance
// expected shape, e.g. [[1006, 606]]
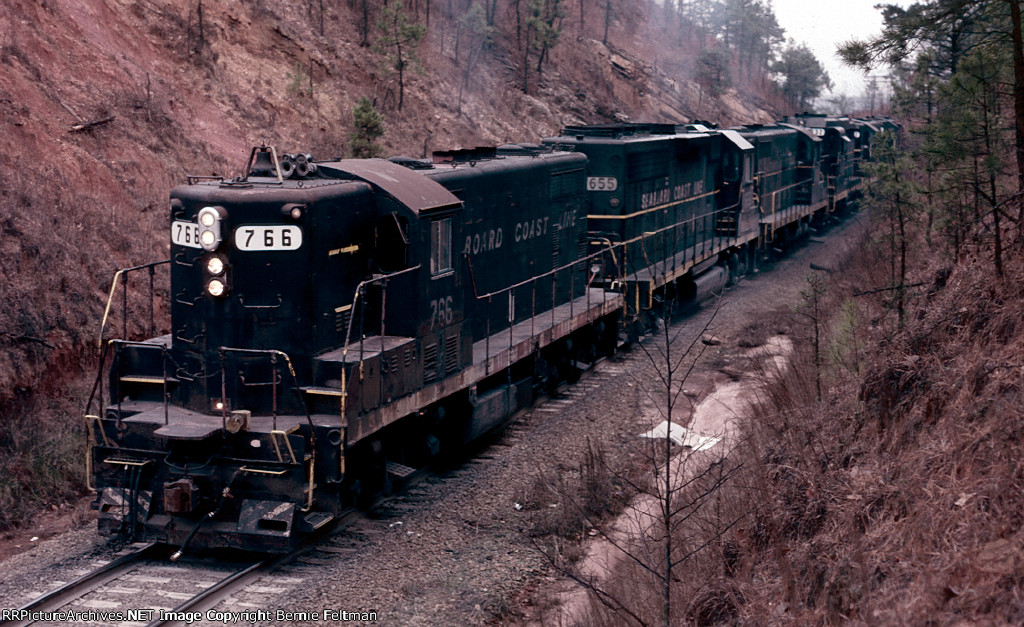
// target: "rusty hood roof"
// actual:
[[411, 188]]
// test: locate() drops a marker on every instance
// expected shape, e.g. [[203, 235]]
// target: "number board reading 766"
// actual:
[[268, 237]]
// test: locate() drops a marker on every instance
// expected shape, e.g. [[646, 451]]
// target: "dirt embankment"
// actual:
[[896, 498]]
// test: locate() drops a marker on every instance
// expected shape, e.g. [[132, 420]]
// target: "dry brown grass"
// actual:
[[897, 499], [566, 501]]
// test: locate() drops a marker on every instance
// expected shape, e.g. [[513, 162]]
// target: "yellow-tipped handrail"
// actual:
[[113, 289], [312, 429]]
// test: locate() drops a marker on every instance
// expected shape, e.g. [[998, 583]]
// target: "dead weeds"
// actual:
[[898, 498]]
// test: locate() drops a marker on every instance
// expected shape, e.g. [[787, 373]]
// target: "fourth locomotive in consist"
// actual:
[[336, 324]]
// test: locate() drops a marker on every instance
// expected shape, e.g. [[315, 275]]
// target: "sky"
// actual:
[[823, 24]]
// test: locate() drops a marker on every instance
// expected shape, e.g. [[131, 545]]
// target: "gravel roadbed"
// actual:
[[455, 549]]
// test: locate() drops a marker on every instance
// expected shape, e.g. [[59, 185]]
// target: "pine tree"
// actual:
[[398, 43], [369, 127], [712, 72], [965, 54], [950, 30], [803, 78], [543, 28]]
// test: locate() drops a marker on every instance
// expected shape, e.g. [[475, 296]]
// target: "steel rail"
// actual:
[[210, 597], [215, 593], [60, 597]]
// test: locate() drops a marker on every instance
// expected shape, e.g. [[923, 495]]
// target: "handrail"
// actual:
[[97, 392], [611, 246], [113, 288], [119, 343], [618, 252], [356, 295], [273, 354], [549, 272]]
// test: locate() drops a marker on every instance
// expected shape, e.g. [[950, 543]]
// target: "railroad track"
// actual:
[[144, 587], [65, 594], [140, 587]]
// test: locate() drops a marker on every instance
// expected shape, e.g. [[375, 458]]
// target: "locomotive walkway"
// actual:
[[506, 347], [496, 352]]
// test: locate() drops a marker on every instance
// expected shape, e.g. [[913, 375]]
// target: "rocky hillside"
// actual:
[[106, 104]]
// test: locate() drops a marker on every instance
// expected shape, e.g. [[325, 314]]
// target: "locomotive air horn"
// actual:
[[287, 165], [304, 165]]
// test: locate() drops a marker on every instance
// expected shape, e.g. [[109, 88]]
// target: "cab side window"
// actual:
[[440, 246]]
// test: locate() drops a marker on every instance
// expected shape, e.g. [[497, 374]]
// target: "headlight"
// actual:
[[215, 266], [216, 287], [209, 226]]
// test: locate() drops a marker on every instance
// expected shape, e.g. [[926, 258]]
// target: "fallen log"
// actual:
[[85, 126]]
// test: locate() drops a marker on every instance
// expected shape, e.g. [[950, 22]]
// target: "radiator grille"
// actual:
[[555, 248], [429, 362], [341, 319], [451, 354]]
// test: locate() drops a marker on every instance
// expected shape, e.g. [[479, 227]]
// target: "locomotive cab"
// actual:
[[736, 195]]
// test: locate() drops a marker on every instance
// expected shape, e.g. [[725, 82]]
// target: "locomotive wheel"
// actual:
[[572, 373], [369, 481]]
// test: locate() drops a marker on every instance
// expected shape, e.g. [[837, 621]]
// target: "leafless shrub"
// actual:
[[680, 518], [897, 498], [568, 501]]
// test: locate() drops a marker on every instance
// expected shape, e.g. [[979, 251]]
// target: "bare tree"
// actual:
[[607, 20], [813, 311], [676, 513], [194, 45], [364, 23], [479, 36], [889, 194]]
